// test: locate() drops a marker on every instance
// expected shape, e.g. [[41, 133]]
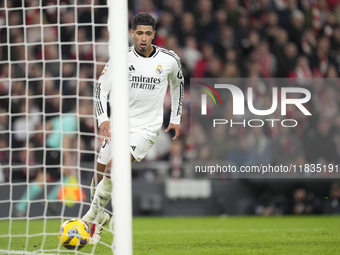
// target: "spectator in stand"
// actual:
[[149, 7], [321, 58], [253, 69], [260, 146], [67, 33], [286, 146], [279, 42], [204, 19], [187, 28], [269, 204], [335, 39], [201, 66], [272, 26], [302, 202], [4, 79], [52, 98], [214, 68], [320, 146], [259, 14], [176, 7], [24, 163], [242, 155], [329, 26], [175, 157], [50, 51], [85, 50], [301, 73], [297, 26], [164, 28], [332, 203], [287, 61], [102, 48], [320, 11], [230, 70], [225, 41], [4, 116], [242, 28], [191, 55], [199, 140], [332, 73], [233, 10], [220, 20], [285, 13], [337, 59], [222, 141], [26, 123], [308, 42], [266, 59], [250, 43], [5, 151], [328, 105], [61, 138], [231, 56]]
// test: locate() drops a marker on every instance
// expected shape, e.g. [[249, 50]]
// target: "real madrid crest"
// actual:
[[159, 69]]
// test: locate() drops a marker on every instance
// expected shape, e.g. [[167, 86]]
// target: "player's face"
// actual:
[[143, 36]]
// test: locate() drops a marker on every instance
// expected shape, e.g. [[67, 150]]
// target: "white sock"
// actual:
[[102, 197]]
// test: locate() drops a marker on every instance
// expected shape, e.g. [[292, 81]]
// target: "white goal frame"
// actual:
[[121, 165]]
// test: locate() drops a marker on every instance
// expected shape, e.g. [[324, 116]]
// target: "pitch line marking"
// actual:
[[24, 252], [225, 230]]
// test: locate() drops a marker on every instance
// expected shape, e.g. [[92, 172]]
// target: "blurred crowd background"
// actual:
[[54, 55]]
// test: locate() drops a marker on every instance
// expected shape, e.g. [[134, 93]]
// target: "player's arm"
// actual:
[[102, 92], [177, 92]]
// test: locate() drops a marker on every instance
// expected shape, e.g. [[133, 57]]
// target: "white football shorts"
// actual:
[[140, 144]]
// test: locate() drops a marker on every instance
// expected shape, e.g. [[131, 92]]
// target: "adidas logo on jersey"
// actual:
[[131, 68]]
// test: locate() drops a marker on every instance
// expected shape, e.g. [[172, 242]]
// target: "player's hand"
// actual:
[[176, 127], [104, 132]]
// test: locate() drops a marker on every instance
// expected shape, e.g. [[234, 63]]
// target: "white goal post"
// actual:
[[121, 166]]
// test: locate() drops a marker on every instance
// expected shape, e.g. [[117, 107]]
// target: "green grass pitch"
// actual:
[[200, 235]]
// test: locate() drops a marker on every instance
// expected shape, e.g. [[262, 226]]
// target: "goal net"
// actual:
[[51, 54]]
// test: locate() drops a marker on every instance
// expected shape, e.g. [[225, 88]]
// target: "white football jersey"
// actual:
[[148, 81]]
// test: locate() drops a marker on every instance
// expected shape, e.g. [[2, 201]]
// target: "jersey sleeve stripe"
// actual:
[[172, 55], [181, 94], [99, 106]]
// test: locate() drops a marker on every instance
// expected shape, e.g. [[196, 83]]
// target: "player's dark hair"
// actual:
[[144, 19]]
